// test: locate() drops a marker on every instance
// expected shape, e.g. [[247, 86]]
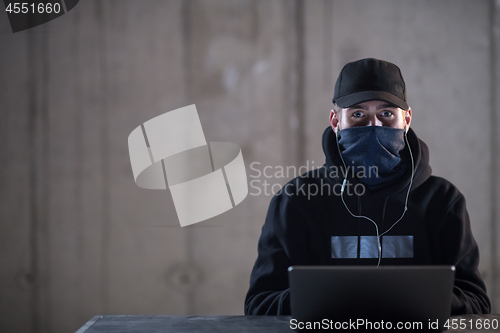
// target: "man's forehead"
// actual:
[[367, 104]]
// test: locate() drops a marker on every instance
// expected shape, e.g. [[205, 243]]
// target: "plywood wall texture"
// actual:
[[79, 238]]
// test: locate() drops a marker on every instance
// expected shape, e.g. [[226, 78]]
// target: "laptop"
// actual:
[[371, 298]]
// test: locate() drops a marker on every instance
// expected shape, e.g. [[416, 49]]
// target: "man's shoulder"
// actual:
[[440, 182], [309, 177], [314, 178], [440, 189], [309, 185]]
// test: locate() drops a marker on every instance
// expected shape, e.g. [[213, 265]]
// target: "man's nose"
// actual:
[[374, 121]]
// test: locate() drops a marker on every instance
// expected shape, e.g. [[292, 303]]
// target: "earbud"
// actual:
[[343, 186]]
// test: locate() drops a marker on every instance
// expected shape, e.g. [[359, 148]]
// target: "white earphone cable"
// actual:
[[379, 246]]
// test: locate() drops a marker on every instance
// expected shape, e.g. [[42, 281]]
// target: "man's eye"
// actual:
[[387, 113], [357, 114]]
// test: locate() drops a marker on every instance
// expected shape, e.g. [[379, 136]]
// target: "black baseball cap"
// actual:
[[370, 79]]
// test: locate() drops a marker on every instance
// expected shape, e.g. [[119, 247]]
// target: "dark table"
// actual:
[[227, 324]]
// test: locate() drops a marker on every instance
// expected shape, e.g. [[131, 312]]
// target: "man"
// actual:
[[375, 201]]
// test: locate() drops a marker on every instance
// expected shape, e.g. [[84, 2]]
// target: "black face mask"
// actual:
[[373, 152]]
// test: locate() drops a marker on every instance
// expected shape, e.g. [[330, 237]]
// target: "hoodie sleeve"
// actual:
[[460, 249], [269, 291]]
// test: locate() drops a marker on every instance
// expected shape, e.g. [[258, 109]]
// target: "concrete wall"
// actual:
[[79, 238]]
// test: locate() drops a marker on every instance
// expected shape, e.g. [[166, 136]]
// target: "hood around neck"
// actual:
[[420, 156]]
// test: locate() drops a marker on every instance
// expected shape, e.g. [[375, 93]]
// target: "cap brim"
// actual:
[[364, 96]]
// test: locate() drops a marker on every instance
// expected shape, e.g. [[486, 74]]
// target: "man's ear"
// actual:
[[334, 120], [407, 119]]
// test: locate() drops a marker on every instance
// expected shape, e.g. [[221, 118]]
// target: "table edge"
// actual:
[[89, 324]]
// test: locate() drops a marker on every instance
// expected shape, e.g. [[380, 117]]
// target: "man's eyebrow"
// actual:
[[383, 105]]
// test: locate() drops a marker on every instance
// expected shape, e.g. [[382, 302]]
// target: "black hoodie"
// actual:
[[307, 224]]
